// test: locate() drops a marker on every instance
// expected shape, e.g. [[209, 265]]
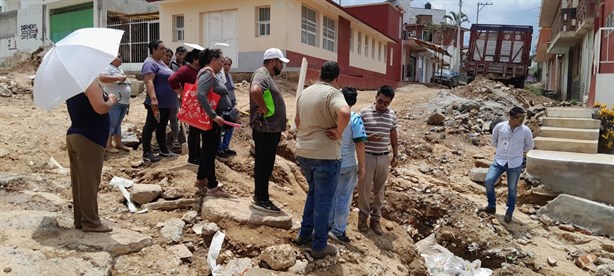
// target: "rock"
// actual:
[[208, 230], [300, 267], [7, 269], [173, 229], [482, 163], [181, 251], [167, 205], [389, 226], [531, 180], [5, 91], [533, 110], [145, 193], [567, 227], [585, 260], [171, 193], [236, 267], [3, 152], [469, 105], [190, 217], [26, 261], [279, 257], [546, 220], [10, 178], [478, 174], [136, 164], [605, 270], [436, 119], [153, 260], [240, 210], [425, 169], [130, 139], [474, 138], [552, 261]]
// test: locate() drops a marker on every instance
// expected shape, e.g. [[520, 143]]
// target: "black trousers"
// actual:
[[266, 149], [196, 138], [152, 124], [206, 169]]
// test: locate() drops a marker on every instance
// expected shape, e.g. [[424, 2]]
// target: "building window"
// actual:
[[263, 22], [426, 36], [366, 45], [379, 51], [373, 48], [309, 26], [609, 22], [359, 46], [384, 50], [328, 34], [178, 32], [352, 40]]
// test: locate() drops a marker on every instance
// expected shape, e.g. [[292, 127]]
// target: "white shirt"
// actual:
[[120, 90], [511, 145]]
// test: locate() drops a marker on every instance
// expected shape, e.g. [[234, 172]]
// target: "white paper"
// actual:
[[214, 252]]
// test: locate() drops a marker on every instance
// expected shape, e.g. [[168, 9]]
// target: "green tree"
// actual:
[[455, 19]]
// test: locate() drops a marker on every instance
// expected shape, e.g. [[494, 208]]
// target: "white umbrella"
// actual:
[[73, 64]]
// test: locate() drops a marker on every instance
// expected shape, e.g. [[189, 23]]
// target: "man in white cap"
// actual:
[[267, 119]]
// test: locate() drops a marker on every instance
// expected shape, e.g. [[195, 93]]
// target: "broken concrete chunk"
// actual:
[[585, 260], [593, 216], [145, 193], [567, 227], [478, 174], [181, 251], [482, 163], [436, 119], [171, 193], [552, 261], [240, 210], [173, 230], [167, 205], [190, 217], [279, 257]]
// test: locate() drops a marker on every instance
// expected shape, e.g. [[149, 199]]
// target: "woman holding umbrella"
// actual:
[[86, 140], [159, 101], [211, 61]]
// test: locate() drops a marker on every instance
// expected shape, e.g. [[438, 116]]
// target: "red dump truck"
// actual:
[[500, 52]]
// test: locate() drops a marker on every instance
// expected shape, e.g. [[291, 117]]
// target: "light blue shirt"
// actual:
[[353, 133], [511, 145]]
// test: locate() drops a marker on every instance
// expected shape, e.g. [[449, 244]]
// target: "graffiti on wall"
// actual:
[[12, 43], [29, 31]]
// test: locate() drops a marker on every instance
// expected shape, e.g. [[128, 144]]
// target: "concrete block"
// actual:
[[569, 133], [585, 175], [596, 217], [567, 145], [571, 122], [569, 112]]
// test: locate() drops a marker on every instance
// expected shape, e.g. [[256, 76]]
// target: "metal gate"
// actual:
[[603, 66], [138, 33]]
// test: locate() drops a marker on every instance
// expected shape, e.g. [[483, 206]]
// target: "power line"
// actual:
[[477, 17]]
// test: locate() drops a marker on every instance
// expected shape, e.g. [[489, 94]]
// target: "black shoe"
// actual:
[[222, 154], [266, 206], [195, 162], [150, 157], [342, 238], [230, 152], [488, 210], [329, 250], [167, 154], [508, 218], [303, 240]]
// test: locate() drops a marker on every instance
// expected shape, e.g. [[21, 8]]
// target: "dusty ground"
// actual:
[[429, 192]]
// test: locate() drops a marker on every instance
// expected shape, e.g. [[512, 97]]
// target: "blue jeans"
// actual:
[[494, 173], [116, 116], [226, 139], [322, 177], [338, 219]]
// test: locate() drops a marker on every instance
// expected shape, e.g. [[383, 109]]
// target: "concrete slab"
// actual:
[[571, 122], [596, 217], [567, 145], [240, 210], [569, 133], [588, 176], [569, 112]]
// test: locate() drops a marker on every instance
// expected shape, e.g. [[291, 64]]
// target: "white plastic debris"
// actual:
[[440, 261], [124, 192], [214, 252], [126, 183]]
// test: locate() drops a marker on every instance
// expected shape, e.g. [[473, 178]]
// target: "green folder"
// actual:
[[270, 104]]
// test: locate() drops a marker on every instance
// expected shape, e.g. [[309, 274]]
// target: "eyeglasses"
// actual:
[[520, 118], [382, 102]]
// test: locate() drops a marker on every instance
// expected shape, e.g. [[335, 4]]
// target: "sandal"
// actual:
[[98, 229], [217, 192], [122, 147], [111, 150]]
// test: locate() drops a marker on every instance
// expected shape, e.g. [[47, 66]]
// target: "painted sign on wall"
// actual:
[[12, 43], [29, 31]]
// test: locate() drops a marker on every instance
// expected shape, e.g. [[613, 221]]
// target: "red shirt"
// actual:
[[185, 74]]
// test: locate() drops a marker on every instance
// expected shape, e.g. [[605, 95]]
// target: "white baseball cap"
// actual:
[[273, 53]]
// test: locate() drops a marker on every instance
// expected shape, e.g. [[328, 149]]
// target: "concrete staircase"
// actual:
[[568, 130]]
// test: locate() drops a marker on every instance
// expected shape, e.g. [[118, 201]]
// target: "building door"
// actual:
[[65, 20], [221, 27]]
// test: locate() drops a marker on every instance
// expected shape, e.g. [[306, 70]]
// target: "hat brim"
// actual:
[[284, 60]]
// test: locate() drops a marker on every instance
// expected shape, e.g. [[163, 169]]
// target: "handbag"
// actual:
[[191, 112]]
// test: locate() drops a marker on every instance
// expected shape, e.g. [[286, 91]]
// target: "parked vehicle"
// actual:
[[446, 77], [500, 52]]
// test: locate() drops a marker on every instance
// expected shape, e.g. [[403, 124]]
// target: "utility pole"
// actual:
[[477, 17], [459, 43]]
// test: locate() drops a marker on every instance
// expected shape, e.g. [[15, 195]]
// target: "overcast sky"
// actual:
[[507, 12]]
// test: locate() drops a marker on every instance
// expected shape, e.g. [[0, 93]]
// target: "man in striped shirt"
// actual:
[[381, 126]]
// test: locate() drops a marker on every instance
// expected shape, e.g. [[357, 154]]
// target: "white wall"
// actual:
[[30, 28], [604, 94]]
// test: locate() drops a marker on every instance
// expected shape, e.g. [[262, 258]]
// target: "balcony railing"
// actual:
[[565, 21], [586, 11]]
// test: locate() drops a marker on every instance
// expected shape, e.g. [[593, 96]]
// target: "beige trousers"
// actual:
[[86, 158], [376, 174]]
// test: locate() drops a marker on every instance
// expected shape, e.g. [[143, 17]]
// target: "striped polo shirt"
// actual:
[[381, 123]]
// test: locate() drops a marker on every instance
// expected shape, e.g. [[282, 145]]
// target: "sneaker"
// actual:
[[150, 157], [267, 206], [329, 250], [217, 192], [222, 154], [342, 238], [167, 154], [230, 152], [176, 145], [508, 218], [488, 210], [303, 240]]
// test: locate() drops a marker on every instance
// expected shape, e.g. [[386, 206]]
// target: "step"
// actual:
[[569, 133], [594, 216], [585, 175], [566, 145], [569, 112], [571, 123]]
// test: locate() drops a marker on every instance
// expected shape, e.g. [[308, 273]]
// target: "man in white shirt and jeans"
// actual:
[[512, 139]]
